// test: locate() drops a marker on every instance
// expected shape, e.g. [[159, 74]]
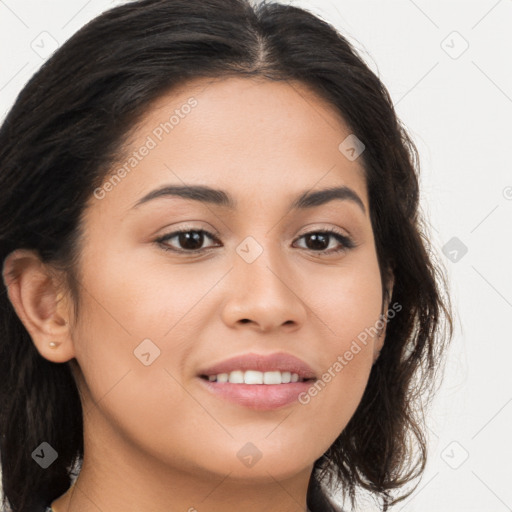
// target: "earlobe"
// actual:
[[33, 292]]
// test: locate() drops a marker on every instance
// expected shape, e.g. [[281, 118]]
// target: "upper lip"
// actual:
[[279, 361]]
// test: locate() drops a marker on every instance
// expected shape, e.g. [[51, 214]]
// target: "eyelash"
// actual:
[[346, 242]]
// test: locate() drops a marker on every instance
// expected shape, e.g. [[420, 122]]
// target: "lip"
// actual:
[[278, 361], [259, 397]]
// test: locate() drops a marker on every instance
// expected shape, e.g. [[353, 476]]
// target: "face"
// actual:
[[258, 276]]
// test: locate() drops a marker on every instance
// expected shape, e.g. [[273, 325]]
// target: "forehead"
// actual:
[[255, 137]]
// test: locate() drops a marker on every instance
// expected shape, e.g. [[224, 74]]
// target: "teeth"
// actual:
[[236, 377], [250, 377], [255, 377]]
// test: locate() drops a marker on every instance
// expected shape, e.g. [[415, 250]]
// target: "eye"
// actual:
[[319, 241], [191, 241]]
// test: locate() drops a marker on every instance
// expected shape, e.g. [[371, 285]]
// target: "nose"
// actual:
[[265, 294]]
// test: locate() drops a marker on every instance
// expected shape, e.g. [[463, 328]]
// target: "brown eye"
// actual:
[[319, 241], [191, 241], [188, 240]]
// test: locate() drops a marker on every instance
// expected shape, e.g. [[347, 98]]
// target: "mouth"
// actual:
[[259, 382], [255, 377]]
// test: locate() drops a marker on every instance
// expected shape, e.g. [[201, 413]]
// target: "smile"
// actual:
[[255, 377]]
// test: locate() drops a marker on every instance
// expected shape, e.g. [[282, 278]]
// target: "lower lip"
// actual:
[[261, 397]]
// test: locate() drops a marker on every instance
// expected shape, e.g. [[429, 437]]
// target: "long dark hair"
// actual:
[[68, 126]]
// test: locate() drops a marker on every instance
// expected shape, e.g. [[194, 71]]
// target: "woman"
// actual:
[[219, 292]]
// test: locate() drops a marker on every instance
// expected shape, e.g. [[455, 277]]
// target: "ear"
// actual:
[[379, 341], [40, 304]]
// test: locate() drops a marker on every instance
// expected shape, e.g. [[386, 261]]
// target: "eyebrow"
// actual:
[[205, 194]]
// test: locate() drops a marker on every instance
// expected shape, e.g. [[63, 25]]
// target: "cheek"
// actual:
[[131, 376], [131, 308], [131, 299], [347, 309], [137, 298], [346, 301], [146, 293]]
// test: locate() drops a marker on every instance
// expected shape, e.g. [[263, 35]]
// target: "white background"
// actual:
[[458, 108]]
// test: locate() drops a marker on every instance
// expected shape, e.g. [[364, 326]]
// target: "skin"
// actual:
[[154, 438]]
